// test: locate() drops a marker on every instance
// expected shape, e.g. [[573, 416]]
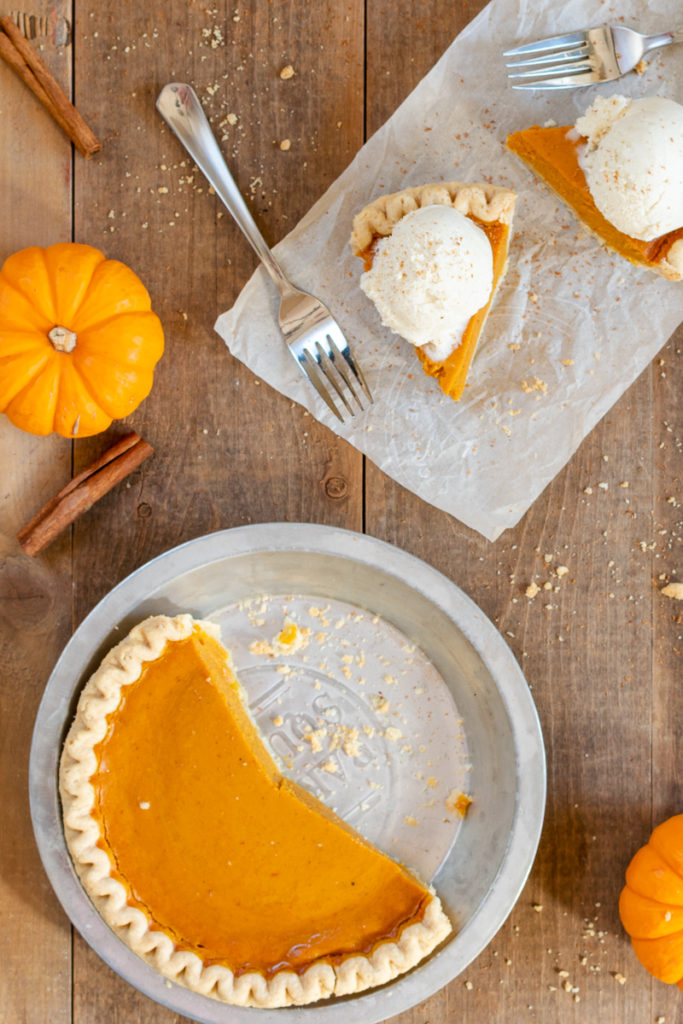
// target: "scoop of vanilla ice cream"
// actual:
[[430, 276], [634, 163]]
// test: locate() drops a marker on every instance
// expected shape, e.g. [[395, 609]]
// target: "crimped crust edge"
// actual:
[[100, 696], [486, 202]]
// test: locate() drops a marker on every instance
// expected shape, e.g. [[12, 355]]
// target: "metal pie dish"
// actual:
[[487, 862]]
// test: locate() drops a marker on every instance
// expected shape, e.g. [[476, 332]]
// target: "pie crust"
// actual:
[[552, 153], [491, 207], [337, 975]]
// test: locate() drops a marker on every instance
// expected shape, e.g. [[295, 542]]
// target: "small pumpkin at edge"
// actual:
[[78, 340], [651, 902]]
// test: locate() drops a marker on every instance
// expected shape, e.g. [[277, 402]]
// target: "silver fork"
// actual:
[[583, 58], [313, 336]]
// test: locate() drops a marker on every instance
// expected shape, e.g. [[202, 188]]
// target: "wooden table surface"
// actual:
[[601, 654]]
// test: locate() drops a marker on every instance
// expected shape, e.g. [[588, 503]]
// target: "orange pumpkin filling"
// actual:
[[553, 153], [451, 372], [233, 861]]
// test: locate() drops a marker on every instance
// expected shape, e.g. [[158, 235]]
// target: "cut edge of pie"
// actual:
[[353, 973], [551, 152], [491, 207]]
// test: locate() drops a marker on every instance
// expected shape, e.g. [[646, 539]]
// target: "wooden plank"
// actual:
[[587, 647], [35, 611], [229, 450]]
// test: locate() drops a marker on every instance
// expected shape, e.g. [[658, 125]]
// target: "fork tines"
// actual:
[[326, 359], [554, 63]]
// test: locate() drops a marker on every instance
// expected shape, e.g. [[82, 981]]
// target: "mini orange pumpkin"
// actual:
[[78, 340], [651, 903]]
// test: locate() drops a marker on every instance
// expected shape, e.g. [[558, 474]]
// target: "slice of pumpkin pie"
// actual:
[[620, 170], [226, 876], [434, 256]]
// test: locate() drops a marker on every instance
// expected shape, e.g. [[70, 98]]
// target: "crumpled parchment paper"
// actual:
[[572, 325]]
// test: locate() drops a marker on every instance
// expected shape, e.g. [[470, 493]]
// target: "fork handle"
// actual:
[[180, 108], [662, 39]]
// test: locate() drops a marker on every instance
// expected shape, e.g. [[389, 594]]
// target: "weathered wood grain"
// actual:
[[600, 648], [228, 450], [35, 609]]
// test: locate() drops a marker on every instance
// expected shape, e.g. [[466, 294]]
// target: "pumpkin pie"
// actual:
[[554, 153], [450, 296], [226, 876]]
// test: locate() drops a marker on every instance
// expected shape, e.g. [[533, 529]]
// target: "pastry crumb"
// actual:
[[287, 72], [532, 590], [673, 590], [457, 803]]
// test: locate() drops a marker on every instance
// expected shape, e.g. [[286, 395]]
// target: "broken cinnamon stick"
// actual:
[[83, 491], [23, 59]]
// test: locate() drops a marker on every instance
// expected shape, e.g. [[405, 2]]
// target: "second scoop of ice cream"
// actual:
[[430, 276], [634, 163]]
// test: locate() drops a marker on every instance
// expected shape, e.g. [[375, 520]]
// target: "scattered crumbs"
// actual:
[[618, 976], [603, 485], [290, 639], [392, 733], [588, 490], [329, 766], [513, 347], [431, 781], [410, 820], [144, 805], [285, 145], [369, 731], [278, 721], [532, 590], [287, 72], [457, 803], [561, 570], [379, 703], [314, 737], [624, 483], [469, 986], [640, 69], [538, 907], [673, 590], [536, 385], [567, 362]]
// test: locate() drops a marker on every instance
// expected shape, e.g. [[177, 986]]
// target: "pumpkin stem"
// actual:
[[63, 340]]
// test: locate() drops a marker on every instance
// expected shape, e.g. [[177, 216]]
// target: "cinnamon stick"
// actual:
[[83, 491], [23, 59]]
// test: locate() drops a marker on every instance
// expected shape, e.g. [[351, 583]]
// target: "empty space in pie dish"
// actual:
[[356, 713]]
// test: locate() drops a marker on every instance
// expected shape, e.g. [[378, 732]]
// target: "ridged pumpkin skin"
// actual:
[[100, 367], [651, 903]]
